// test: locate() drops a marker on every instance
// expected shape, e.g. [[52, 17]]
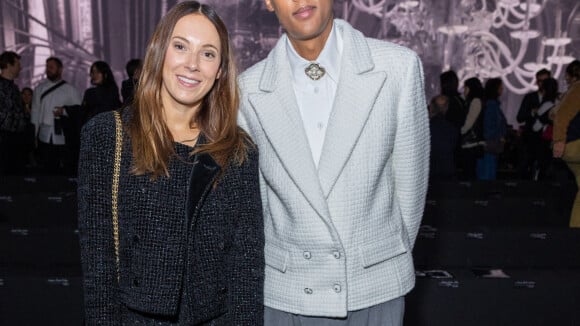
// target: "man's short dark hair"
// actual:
[[131, 66], [8, 58], [573, 69], [449, 83], [56, 60], [544, 71]]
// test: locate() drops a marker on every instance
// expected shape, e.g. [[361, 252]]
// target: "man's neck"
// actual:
[[310, 49], [55, 80]]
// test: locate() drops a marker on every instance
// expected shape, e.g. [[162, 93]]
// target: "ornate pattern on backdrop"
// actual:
[[511, 39]]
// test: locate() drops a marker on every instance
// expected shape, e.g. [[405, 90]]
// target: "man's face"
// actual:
[[540, 78], [303, 19], [15, 68], [53, 71]]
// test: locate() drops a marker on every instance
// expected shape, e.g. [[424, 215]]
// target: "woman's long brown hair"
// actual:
[[216, 119]]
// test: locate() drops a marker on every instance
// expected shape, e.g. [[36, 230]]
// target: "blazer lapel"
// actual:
[[279, 117], [357, 90], [201, 180]]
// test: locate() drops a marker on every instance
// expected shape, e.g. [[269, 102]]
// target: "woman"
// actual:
[[472, 129], [104, 96], [494, 130], [567, 132], [189, 213]]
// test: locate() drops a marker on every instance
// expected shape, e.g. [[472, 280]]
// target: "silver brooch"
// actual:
[[314, 71]]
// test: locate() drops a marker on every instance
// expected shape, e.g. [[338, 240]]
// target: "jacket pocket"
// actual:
[[380, 251], [276, 258]]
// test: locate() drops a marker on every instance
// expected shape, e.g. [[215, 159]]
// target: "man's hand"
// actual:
[[58, 111], [558, 149]]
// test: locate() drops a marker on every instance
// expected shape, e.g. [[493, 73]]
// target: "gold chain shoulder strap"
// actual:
[[115, 188]]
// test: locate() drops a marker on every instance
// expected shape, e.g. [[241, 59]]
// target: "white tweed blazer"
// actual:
[[339, 237]]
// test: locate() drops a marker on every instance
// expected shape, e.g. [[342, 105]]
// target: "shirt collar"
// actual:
[[329, 58]]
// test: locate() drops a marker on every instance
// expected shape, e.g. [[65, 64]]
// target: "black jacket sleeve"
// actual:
[[246, 259], [95, 221]]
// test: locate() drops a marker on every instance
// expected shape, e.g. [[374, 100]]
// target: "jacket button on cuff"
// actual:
[[308, 290], [337, 288], [307, 255], [336, 254]]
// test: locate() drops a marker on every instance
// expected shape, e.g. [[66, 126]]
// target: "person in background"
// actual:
[[133, 68], [527, 153], [443, 140], [342, 126], [456, 112], [103, 96], [541, 135], [48, 112], [26, 94], [190, 223], [28, 135], [567, 132], [13, 117], [472, 130], [494, 130]]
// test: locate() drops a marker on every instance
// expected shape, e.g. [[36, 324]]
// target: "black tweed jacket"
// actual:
[[190, 253]]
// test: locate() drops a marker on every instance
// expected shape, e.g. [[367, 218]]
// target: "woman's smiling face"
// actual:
[[192, 62]]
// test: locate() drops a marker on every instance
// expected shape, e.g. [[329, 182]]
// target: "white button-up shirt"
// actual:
[[315, 98], [42, 110]]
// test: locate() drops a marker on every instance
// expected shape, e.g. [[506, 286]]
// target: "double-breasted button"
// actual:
[[307, 255], [336, 254], [337, 288], [136, 239], [136, 282], [308, 290]]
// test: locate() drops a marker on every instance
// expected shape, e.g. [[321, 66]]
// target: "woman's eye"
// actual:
[[179, 46], [209, 54]]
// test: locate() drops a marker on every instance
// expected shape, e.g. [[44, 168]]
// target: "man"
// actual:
[[12, 116], [341, 124], [527, 115], [48, 102], [133, 68]]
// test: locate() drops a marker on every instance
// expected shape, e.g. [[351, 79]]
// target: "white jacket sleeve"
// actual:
[[411, 151]]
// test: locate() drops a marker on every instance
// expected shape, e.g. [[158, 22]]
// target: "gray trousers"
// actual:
[[389, 313]]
